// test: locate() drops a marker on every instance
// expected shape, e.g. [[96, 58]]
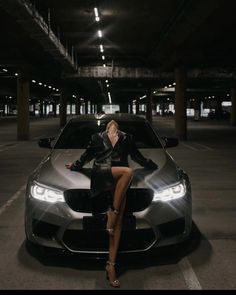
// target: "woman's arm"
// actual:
[[86, 157], [138, 157]]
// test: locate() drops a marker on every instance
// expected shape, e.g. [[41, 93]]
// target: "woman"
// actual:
[[111, 172]]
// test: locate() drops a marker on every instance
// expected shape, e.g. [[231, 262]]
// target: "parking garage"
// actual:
[[169, 62]]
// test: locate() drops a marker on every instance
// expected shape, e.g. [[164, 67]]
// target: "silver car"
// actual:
[[59, 212]]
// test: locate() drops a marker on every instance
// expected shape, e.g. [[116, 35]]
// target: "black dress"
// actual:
[[106, 156]]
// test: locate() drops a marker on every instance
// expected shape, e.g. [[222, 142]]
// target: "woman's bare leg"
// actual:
[[114, 242], [123, 177]]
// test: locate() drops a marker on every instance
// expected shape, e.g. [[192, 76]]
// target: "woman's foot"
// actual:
[[111, 274], [111, 220]]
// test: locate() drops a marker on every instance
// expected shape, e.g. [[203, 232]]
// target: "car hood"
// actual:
[[52, 171]]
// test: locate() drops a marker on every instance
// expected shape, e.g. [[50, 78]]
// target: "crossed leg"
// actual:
[[123, 177]]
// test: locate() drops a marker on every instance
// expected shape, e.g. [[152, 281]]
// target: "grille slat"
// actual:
[[80, 200]]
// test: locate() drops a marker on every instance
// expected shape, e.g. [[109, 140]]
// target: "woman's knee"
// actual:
[[129, 172]]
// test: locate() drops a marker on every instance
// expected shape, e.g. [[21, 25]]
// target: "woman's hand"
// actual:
[[68, 166]]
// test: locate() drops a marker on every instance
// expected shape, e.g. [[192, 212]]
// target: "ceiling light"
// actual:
[[40, 83], [45, 85], [96, 14], [109, 96], [166, 87], [101, 48], [106, 81], [96, 11], [16, 74], [170, 85], [104, 65], [143, 97], [99, 33], [5, 70], [103, 57], [33, 81], [174, 84], [108, 85], [49, 87]]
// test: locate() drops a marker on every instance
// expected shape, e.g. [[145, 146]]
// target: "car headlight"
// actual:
[[46, 194], [171, 193]]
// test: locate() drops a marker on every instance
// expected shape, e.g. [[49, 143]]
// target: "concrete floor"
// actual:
[[206, 261]]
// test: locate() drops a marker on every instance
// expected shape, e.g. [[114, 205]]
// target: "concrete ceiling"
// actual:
[[158, 34]]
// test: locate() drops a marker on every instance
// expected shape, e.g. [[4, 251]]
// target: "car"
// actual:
[[60, 214]]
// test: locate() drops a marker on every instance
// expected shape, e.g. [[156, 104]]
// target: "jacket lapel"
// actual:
[[107, 141]]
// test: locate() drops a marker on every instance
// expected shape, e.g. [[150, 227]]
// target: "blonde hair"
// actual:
[[112, 122]]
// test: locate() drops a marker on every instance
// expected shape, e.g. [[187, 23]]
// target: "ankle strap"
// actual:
[[114, 210], [110, 263]]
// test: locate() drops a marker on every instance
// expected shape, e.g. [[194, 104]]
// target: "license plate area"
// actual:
[[94, 223]]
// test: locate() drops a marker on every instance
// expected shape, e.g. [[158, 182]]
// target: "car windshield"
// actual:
[[76, 134]]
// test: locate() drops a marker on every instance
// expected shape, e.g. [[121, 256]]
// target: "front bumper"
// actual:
[[58, 226]]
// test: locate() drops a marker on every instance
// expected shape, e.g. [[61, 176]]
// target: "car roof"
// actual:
[[117, 117]]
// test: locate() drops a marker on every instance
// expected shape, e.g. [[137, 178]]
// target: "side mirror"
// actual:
[[45, 142], [170, 142]]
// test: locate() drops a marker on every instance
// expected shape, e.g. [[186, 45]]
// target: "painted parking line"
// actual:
[[12, 199], [189, 147], [201, 147], [190, 277], [4, 148], [205, 147]]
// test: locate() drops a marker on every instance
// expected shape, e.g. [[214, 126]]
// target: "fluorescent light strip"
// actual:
[[97, 18], [101, 48], [103, 57], [143, 97], [99, 33], [96, 11], [109, 96]]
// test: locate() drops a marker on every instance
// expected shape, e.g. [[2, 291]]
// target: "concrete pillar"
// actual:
[[131, 107], [54, 108], [63, 108], [99, 108], [218, 108], [124, 108], [180, 103], [41, 108], [163, 106], [34, 108], [86, 107], [77, 107], [233, 108], [45, 108], [23, 94], [71, 108], [137, 106], [197, 109], [149, 106]]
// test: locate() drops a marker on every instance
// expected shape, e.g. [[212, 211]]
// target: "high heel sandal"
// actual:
[[111, 230], [115, 283]]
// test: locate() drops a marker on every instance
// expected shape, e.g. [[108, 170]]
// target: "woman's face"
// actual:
[[112, 129]]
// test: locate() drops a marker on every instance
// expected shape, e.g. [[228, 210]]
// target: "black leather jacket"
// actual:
[[105, 155]]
